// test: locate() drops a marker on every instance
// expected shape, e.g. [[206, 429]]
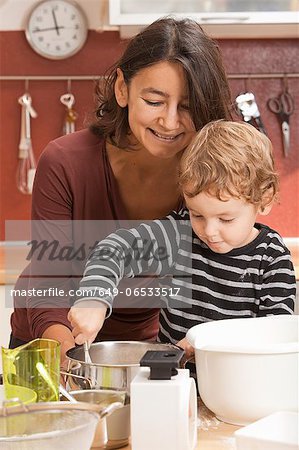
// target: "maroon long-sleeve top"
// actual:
[[74, 188]]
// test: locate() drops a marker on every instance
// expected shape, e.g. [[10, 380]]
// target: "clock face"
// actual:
[[56, 29]]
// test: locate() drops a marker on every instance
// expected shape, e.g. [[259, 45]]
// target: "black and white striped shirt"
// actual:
[[196, 284]]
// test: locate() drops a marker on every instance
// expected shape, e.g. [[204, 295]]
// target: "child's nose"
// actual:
[[210, 230]]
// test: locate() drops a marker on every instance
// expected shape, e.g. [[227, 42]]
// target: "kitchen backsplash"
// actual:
[[241, 56]]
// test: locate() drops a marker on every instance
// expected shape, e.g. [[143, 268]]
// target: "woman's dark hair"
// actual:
[[175, 40]]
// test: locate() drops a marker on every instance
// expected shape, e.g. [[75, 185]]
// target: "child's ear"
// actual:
[[266, 203], [121, 89], [264, 210]]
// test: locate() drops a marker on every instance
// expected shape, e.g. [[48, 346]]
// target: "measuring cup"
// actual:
[[35, 365]]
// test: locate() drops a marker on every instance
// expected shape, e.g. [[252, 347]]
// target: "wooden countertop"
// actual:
[[212, 434], [218, 438], [13, 260]]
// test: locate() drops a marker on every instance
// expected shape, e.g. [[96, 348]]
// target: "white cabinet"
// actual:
[[227, 18]]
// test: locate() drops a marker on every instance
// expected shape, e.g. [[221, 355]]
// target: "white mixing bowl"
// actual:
[[247, 368]]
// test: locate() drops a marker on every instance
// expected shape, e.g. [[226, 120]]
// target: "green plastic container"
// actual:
[[36, 366]]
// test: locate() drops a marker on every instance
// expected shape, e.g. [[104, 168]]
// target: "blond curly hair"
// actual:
[[229, 158]]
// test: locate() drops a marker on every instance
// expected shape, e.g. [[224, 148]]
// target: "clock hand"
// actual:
[[37, 30], [55, 22]]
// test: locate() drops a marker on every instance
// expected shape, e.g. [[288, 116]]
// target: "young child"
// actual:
[[225, 266]]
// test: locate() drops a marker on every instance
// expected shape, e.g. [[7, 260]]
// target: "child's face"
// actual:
[[222, 225], [158, 109]]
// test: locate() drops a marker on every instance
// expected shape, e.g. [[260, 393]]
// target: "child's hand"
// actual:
[[189, 350], [87, 319]]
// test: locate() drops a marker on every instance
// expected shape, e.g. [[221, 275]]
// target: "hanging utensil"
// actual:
[[283, 107], [248, 109], [71, 116], [26, 166]]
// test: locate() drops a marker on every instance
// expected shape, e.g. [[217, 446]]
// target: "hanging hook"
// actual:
[[68, 100], [69, 85], [246, 79], [26, 85], [285, 83], [26, 101]]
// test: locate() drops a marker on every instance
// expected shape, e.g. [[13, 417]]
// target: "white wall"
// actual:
[[14, 13], [5, 312]]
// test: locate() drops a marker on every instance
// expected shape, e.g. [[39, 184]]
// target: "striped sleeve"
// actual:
[[278, 289], [151, 248]]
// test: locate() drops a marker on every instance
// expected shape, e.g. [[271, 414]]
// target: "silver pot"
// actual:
[[114, 364], [112, 432]]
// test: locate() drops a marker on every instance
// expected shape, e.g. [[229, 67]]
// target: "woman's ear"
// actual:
[[121, 89]]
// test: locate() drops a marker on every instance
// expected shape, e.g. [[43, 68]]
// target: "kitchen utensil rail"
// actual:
[[94, 77]]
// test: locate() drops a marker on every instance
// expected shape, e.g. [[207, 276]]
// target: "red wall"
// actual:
[[100, 51]]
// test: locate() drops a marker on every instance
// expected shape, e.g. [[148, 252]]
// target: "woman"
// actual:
[[168, 84]]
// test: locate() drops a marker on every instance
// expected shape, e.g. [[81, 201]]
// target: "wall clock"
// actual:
[[56, 29]]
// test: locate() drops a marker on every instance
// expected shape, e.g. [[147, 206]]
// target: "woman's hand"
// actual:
[[62, 334], [87, 318], [189, 350]]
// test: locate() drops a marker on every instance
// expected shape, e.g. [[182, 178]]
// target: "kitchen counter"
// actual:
[[12, 261], [211, 433], [219, 437]]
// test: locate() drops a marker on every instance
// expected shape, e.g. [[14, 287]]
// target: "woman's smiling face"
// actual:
[[158, 109]]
